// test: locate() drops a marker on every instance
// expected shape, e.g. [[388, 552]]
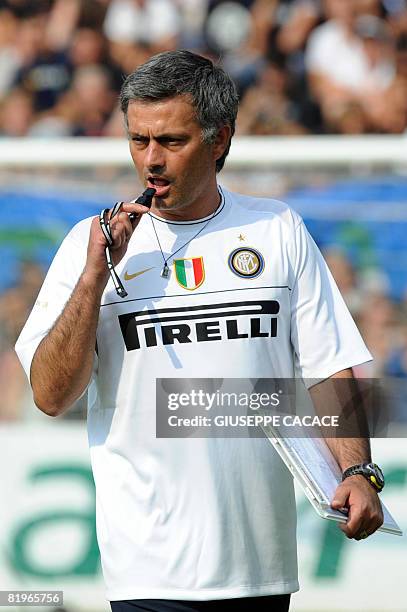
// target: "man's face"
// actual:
[[169, 155]]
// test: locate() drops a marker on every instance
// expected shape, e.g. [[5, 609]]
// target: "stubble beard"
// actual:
[[176, 202]]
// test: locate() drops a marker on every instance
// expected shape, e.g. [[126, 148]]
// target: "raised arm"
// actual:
[[62, 364]]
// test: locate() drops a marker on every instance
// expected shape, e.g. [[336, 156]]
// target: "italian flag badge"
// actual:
[[190, 273]]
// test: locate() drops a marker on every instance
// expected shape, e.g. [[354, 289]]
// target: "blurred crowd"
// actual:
[[301, 66]]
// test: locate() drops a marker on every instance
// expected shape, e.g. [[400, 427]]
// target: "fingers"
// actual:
[[364, 519], [355, 523], [136, 210], [362, 535], [341, 497], [122, 226], [121, 229], [364, 525], [365, 514]]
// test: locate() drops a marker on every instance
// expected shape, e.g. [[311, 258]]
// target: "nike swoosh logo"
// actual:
[[128, 276]]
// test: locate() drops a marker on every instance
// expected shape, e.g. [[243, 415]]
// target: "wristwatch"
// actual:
[[370, 471]]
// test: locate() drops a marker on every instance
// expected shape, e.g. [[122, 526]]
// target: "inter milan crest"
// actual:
[[190, 273], [246, 262]]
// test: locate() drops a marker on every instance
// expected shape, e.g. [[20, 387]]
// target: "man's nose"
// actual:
[[155, 157]]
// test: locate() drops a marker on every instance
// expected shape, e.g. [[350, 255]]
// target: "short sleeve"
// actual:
[[58, 285], [323, 333]]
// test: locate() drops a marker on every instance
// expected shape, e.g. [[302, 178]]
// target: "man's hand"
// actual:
[[365, 512], [122, 229], [63, 362]]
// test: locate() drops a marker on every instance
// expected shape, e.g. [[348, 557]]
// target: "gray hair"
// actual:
[[175, 73]]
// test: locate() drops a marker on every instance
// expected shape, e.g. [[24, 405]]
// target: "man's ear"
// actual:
[[221, 141]]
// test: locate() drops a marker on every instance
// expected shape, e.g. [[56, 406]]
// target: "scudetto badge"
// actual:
[[190, 273], [246, 262]]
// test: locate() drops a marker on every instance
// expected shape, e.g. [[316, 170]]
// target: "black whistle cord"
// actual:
[[146, 199]]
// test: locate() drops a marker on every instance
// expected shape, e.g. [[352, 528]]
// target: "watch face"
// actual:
[[377, 472]]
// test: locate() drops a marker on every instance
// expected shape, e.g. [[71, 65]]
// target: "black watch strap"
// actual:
[[370, 471]]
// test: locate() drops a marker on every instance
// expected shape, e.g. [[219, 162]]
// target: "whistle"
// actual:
[[146, 198]]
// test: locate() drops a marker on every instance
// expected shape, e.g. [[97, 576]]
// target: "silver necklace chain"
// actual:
[[165, 272]]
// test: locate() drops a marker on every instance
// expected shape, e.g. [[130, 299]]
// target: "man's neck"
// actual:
[[205, 206]]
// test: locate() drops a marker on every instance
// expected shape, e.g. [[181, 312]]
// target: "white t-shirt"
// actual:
[[150, 22], [199, 518], [333, 52]]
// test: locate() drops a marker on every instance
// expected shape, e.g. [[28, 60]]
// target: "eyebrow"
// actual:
[[164, 136]]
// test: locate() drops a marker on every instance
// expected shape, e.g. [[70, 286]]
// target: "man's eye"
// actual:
[[139, 139]]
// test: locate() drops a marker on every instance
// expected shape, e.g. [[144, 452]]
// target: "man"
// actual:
[[218, 284]]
